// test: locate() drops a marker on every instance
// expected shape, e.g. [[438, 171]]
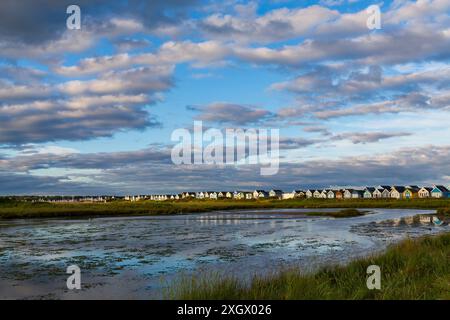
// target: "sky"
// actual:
[[92, 111]]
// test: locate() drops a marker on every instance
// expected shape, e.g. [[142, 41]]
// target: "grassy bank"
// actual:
[[444, 211], [344, 213], [18, 209], [413, 269]]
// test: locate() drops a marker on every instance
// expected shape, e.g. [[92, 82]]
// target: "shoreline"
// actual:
[[28, 210], [408, 262]]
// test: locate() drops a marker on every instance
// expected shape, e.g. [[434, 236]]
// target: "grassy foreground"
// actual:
[[412, 269], [20, 209]]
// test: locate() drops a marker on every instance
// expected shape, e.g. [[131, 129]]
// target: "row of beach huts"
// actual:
[[379, 192]]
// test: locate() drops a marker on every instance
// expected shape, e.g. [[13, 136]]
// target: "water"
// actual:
[[137, 257]]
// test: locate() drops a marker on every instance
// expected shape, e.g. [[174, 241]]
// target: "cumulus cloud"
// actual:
[[21, 75], [277, 25], [397, 47], [136, 80], [229, 113], [340, 91], [30, 30], [349, 81], [335, 40], [43, 121], [141, 172], [288, 143], [96, 65], [19, 92], [317, 129], [366, 137], [170, 53], [82, 109], [332, 67], [42, 158], [404, 103]]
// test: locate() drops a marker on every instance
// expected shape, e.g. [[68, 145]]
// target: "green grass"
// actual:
[[444, 211], [344, 213], [21, 209], [412, 269]]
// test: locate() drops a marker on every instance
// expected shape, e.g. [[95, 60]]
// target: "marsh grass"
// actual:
[[344, 213], [444, 211], [412, 269], [21, 209]]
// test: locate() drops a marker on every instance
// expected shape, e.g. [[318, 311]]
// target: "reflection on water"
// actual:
[[398, 228], [421, 219], [135, 257]]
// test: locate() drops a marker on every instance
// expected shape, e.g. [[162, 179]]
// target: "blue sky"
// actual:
[[92, 110]]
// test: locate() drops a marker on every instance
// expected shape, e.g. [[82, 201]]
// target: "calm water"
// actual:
[[138, 257]]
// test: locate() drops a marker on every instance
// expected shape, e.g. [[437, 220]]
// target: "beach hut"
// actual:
[[239, 195], [213, 195], [356, 194], [425, 192], [263, 194], [348, 193], [411, 192], [256, 193], [298, 194], [368, 193], [316, 194], [275, 194], [200, 195], [440, 192], [397, 192]]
